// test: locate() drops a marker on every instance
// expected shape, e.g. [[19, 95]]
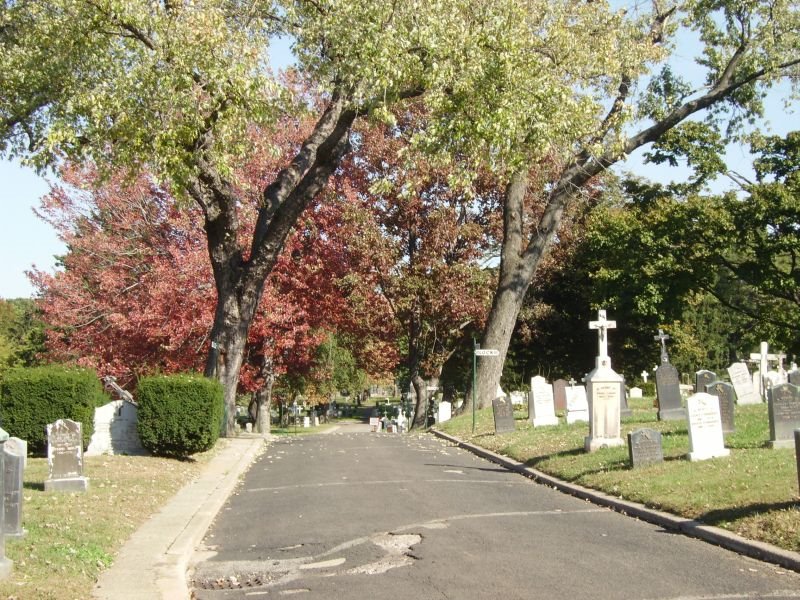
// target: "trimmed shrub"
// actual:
[[31, 398], [179, 415]]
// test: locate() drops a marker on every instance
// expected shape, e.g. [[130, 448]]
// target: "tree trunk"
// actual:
[[516, 274], [264, 397], [240, 281], [424, 397]]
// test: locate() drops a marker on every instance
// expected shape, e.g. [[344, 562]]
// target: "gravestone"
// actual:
[[724, 391], [306, 422], [542, 407], [445, 411], [115, 430], [636, 392], [703, 378], [65, 457], [605, 390], [374, 424], [797, 453], [14, 454], [668, 393], [644, 447], [518, 398], [784, 414], [794, 377], [624, 409], [560, 394], [503, 414], [6, 565], [705, 427], [577, 404], [743, 384], [22, 449]]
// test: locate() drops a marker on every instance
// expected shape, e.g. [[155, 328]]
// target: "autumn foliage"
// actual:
[[135, 294]]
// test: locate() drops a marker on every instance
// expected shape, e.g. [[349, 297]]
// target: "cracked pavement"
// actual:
[[355, 515]]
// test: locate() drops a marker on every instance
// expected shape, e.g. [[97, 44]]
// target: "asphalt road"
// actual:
[[358, 515]]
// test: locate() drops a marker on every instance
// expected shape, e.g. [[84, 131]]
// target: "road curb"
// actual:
[[714, 535], [153, 562]]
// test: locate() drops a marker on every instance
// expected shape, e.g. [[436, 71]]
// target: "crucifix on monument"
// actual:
[[605, 393], [763, 357], [602, 325], [663, 337]]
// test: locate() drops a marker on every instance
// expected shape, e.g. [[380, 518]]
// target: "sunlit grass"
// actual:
[[72, 537]]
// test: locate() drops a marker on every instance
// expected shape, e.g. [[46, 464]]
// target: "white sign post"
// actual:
[[478, 352]]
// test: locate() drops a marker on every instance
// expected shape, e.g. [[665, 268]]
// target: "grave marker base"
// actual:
[[694, 456], [73, 484], [672, 414], [6, 566], [544, 421], [778, 444], [592, 444]]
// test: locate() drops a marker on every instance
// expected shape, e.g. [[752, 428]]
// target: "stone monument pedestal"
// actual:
[[603, 386]]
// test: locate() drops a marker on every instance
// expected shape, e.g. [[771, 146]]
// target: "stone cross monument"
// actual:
[[604, 392]]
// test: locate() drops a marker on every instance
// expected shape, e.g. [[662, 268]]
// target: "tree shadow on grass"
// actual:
[[34, 485], [723, 515]]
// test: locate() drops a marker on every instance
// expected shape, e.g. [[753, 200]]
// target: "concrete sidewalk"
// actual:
[[153, 562]]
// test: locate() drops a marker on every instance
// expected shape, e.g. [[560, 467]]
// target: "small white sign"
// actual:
[[487, 352]]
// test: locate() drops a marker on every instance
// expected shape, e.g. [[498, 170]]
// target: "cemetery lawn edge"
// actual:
[[753, 492]]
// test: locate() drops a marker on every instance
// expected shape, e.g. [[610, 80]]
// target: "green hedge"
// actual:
[[179, 415], [31, 398]]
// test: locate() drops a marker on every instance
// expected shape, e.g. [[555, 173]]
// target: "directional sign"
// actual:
[[487, 352]]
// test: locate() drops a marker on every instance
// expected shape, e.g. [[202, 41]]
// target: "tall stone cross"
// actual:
[[763, 357], [602, 325], [645, 375], [663, 337]]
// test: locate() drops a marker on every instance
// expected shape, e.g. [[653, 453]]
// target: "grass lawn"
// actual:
[[71, 537], [753, 492]]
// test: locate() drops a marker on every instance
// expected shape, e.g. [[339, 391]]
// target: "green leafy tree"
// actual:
[[21, 333], [174, 87], [606, 104]]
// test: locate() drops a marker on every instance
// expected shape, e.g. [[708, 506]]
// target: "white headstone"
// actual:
[[306, 422], [577, 404], [445, 412], [743, 384], [542, 405], [705, 427], [115, 430], [636, 392], [517, 398], [499, 393]]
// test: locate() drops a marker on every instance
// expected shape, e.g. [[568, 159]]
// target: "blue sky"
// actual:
[[26, 241]]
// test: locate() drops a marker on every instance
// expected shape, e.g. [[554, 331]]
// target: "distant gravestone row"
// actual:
[[709, 411]]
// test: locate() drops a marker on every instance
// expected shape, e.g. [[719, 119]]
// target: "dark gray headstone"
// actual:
[[794, 377], [668, 393], [727, 400], [13, 471], [65, 457], [503, 414], [560, 394], [784, 414], [624, 410], [797, 453], [644, 447], [702, 379]]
